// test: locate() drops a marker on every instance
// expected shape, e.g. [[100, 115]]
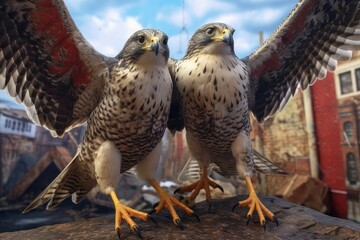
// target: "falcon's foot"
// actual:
[[123, 212], [167, 201], [203, 183], [254, 202]]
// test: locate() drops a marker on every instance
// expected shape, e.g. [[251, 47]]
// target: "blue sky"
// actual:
[[107, 24]]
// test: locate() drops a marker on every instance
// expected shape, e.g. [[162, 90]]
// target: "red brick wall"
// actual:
[[328, 142]]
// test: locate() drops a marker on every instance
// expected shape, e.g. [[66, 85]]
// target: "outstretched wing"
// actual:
[[176, 119], [46, 63], [315, 35]]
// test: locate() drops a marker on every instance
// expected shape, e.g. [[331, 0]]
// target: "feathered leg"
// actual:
[[107, 169], [243, 154], [146, 168]]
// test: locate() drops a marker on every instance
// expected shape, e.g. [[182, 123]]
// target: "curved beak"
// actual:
[[153, 45], [225, 36]]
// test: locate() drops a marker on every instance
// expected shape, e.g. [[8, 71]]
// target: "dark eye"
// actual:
[[165, 41], [209, 31], [141, 39]]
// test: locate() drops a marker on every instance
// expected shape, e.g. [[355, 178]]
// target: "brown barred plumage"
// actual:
[[63, 82], [215, 91]]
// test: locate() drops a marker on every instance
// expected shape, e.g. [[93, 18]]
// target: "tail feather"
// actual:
[[192, 172], [264, 165], [73, 180]]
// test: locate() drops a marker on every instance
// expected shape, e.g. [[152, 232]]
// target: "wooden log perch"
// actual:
[[295, 222]]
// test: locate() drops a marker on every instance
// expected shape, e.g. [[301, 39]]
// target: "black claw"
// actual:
[[264, 225], [236, 205], [152, 219], [154, 208], [195, 215], [137, 231], [276, 221], [178, 223], [155, 205], [248, 220], [118, 233], [176, 190], [221, 188]]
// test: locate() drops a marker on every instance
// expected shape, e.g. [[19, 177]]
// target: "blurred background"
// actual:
[[315, 138]]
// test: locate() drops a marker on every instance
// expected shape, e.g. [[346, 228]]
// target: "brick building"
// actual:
[[329, 137], [347, 88], [318, 134]]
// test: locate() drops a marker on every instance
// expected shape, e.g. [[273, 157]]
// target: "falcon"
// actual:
[[215, 91], [46, 64]]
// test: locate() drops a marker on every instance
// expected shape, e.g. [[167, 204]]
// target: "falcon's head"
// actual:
[[211, 38], [148, 44]]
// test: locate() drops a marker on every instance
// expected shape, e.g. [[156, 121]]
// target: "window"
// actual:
[[348, 131], [346, 83], [357, 78], [7, 123], [351, 169]]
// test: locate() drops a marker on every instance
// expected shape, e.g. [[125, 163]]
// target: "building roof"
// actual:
[[15, 113], [59, 155]]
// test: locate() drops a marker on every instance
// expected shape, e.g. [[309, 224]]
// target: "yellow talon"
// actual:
[[123, 212], [167, 201], [254, 202], [203, 183]]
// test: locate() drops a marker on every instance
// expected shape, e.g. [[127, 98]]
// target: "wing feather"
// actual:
[[313, 38], [46, 64], [176, 119]]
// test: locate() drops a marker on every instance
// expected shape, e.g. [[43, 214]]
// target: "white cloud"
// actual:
[[178, 44], [108, 31], [235, 20], [244, 20], [245, 42], [175, 17], [200, 8], [265, 15], [193, 10], [238, 19]]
